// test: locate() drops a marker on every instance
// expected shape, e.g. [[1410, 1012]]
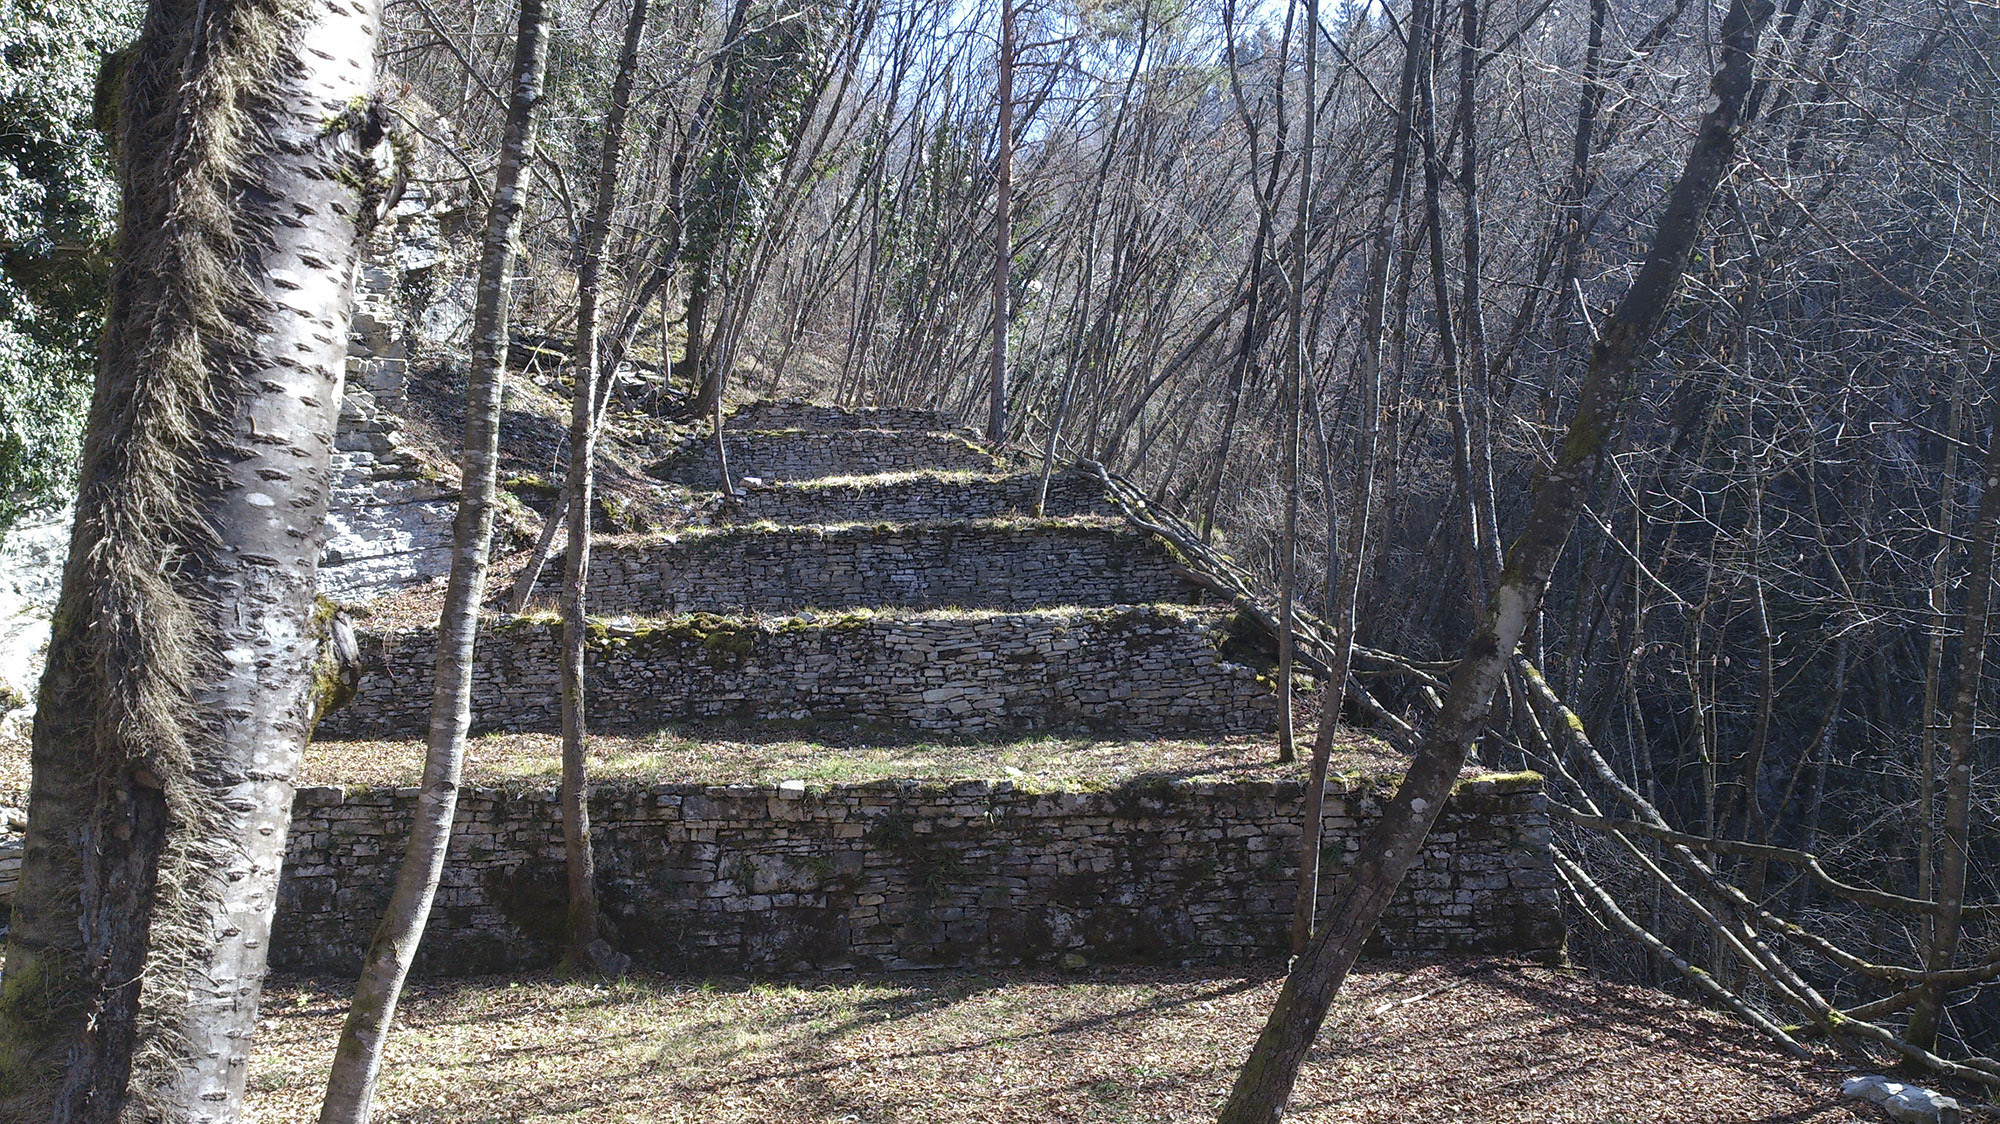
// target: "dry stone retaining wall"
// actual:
[[781, 414], [1141, 669], [800, 454], [921, 498], [895, 875], [979, 565]]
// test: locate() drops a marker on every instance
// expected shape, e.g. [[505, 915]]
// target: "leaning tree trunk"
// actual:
[[357, 1061], [177, 697], [582, 866], [1265, 1083]]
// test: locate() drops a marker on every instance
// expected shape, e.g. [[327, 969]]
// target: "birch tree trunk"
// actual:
[[177, 696], [357, 1061], [1264, 1085], [583, 914]]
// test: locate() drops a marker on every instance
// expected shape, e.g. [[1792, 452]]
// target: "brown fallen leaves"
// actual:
[[1496, 1042]]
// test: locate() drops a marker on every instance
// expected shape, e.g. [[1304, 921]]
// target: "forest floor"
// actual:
[[1491, 1041]]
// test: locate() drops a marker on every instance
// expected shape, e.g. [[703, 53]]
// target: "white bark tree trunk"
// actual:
[[178, 693]]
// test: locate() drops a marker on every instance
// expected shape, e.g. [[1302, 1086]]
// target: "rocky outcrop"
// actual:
[[389, 524]]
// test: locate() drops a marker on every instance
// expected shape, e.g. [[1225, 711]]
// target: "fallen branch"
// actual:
[[1860, 895], [1702, 981], [1785, 982]]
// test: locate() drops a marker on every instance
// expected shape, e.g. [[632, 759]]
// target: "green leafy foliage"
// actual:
[[773, 76], [57, 204]]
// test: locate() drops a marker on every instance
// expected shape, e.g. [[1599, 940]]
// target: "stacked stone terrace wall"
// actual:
[[808, 415], [921, 498], [889, 875], [801, 454], [979, 565], [1143, 669]]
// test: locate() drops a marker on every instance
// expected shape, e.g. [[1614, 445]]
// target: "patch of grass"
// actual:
[[1047, 762], [696, 537]]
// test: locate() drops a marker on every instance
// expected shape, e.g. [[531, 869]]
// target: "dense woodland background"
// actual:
[[1759, 620]]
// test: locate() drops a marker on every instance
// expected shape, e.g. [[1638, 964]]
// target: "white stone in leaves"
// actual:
[[1906, 1103], [259, 499], [1873, 1088], [1922, 1106]]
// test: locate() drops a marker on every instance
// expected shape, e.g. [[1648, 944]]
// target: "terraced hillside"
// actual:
[[975, 617], [883, 594]]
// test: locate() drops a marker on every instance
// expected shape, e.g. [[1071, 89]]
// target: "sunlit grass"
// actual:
[[843, 755]]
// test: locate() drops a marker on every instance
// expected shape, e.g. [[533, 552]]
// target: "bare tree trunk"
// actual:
[[1354, 553], [1938, 598], [608, 361], [1954, 838], [721, 446], [177, 696], [708, 388], [1003, 230], [1265, 1083], [1307, 902], [357, 1061], [582, 932], [1479, 419], [1295, 374], [1252, 339]]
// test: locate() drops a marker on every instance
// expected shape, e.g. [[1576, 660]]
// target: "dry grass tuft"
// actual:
[[738, 756]]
